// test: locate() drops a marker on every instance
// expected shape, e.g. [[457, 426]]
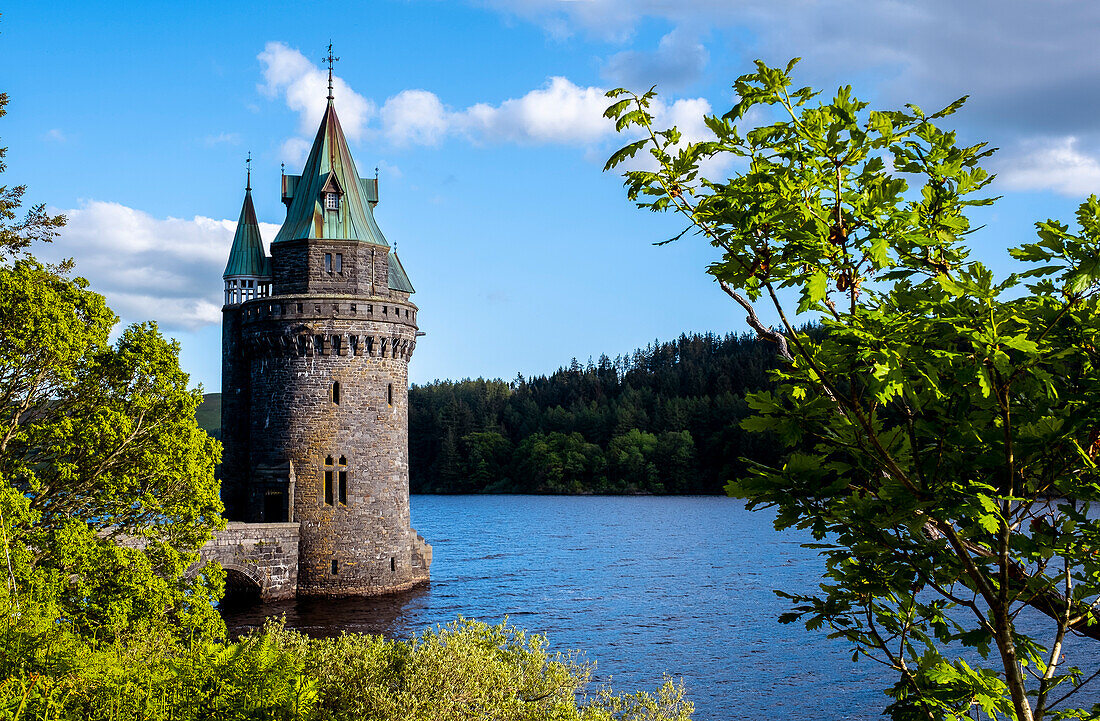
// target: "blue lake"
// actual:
[[646, 586]]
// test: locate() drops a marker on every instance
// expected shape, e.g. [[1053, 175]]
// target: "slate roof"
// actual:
[[330, 165], [398, 279], [246, 257]]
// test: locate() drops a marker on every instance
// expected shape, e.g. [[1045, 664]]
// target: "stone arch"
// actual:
[[243, 581]]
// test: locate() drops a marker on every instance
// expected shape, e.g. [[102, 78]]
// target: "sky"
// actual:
[[484, 120]]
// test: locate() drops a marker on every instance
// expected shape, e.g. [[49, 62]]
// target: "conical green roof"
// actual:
[[330, 167], [246, 257], [398, 279]]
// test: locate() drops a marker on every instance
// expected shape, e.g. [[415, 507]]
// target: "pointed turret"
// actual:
[[316, 343], [248, 272], [329, 200]]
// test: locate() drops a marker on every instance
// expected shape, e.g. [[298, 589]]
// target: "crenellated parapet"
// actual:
[[377, 309], [309, 342]]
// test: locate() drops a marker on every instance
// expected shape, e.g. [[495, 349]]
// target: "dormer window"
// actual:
[[332, 201]]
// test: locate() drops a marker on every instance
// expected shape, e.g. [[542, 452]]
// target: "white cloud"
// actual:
[[414, 117], [559, 112], [388, 170], [1020, 60], [304, 87], [55, 135], [163, 269], [221, 139], [1056, 164], [293, 151], [678, 60]]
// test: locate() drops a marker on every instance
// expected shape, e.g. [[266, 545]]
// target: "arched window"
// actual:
[[328, 481], [336, 392]]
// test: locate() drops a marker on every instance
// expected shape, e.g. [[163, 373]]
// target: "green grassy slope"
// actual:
[[209, 413]]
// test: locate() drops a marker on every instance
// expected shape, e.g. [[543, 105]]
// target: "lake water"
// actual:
[[646, 586]]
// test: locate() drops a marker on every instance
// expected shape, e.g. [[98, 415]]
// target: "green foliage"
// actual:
[[941, 435], [663, 420], [107, 487], [465, 670], [100, 443]]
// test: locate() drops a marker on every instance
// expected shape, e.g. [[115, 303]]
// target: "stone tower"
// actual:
[[316, 344]]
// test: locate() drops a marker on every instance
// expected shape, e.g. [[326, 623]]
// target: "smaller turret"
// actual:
[[248, 273]]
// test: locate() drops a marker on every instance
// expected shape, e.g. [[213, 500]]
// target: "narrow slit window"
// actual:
[[328, 482], [328, 263], [319, 344], [299, 310], [393, 563], [353, 308], [336, 392], [389, 394], [342, 477], [336, 345], [335, 566], [338, 263]]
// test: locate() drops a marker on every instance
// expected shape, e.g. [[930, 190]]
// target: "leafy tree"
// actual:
[[630, 457], [943, 433], [108, 484]]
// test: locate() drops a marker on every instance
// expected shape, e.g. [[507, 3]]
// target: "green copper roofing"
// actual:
[[330, 167], [398, 278], [247, 254]]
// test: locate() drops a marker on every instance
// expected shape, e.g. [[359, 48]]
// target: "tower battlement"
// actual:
[[316, 342]]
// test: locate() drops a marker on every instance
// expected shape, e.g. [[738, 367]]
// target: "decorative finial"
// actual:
[[330, 60], [282, 168], [248, 164], [376, 173]]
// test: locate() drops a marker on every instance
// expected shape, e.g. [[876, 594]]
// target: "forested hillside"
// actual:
[[663, 420]]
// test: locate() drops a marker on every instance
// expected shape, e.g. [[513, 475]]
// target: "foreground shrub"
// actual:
[[465, 670]]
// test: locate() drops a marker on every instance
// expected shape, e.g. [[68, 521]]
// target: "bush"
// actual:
[[464, 670]]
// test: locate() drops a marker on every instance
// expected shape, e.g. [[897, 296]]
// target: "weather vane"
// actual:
[[330, 60], [248, 165]]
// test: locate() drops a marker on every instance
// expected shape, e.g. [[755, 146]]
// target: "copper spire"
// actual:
[[330, 60]]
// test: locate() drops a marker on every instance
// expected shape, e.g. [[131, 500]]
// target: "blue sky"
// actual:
[[484, 121]]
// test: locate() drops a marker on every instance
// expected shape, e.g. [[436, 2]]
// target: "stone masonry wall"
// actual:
[[283, 355], [264, 553], [235, 412], [364, 546], [299, 267]]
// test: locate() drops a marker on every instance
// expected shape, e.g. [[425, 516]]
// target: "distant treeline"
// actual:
[[666, 419]]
